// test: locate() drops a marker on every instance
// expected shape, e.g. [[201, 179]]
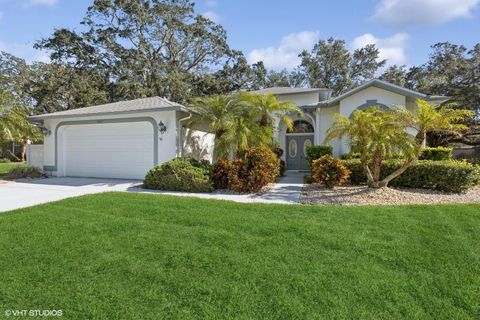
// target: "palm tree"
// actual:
[[376, 133], [243, 120], [269, 112], [221, 113], [14, 124], [373, 133], [428, 119]]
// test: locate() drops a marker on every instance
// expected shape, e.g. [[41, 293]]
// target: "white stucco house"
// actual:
[[125, 139]]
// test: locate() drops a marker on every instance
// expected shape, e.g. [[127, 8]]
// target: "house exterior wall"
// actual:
[[35, 155], [322, 118], [167, 142], [326, 120], [197, 144], [349, 104]]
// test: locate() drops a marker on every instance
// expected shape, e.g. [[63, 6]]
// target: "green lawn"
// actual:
[[139, 256], [5, 167]]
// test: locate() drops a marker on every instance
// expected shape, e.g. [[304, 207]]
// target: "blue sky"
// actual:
[[276, 31]]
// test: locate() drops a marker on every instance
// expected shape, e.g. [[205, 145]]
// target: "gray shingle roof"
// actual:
[[130, 106], [287, 90]]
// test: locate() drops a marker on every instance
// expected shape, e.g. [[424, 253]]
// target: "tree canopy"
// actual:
[[130, 49]]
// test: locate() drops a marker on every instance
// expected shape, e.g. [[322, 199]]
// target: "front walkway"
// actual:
[[21, 194]]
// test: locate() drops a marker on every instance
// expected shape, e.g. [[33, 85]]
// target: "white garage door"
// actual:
[[108, 150]]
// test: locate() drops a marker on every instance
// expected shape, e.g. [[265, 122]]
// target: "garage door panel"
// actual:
[[109, 150]]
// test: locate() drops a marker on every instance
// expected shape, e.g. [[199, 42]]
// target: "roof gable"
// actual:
[[130, 106], [288, 90], [385, 86]]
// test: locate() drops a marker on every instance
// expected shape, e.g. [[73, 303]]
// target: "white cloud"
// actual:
[[211, 3], [41, 56], [391, 48], [403, 13], [25, 51], [286, 54], [43, 2], [212, 15]]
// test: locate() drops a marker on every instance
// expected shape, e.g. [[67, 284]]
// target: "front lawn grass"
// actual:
[[5, 167], [139, 256]]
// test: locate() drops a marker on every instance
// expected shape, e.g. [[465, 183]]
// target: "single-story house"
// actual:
[[125, 139]]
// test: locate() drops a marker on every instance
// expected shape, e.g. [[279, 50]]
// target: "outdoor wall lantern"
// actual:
[[162, 127], [45, 131]]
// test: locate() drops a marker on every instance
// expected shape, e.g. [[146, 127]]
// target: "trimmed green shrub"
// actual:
[[436, 154], [356, 155], [180, 174], [317, 151], [477, 169], [448, 176], [350, 156], [329, 171], [24, 172], [249, 173]]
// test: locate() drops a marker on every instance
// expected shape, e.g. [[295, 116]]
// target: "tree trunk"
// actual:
[[370, 180], [376, 167], [396, 173], [23, 150]]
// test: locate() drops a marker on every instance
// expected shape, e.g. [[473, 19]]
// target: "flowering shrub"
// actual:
[[329, 171]]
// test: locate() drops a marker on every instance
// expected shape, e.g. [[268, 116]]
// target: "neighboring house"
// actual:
[[319, 108], [10, 150], [125, 139], [117, 140]]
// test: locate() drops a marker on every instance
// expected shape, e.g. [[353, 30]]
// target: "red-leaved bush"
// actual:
[[329, 171], [249, 173], [220, 173]]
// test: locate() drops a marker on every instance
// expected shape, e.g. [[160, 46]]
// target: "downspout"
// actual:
[[179, 132]]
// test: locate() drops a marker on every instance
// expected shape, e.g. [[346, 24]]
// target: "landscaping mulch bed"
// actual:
[[362, 195]]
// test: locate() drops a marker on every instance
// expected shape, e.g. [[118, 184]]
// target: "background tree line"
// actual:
[[139, 48]]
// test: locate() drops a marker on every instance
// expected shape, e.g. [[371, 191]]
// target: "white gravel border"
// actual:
[[352, 195]]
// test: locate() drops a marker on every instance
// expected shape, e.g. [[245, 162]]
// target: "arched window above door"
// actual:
[[301, 126]]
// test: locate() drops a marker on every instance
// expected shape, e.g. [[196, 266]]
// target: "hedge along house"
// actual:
[[319, 109], [117, 140]]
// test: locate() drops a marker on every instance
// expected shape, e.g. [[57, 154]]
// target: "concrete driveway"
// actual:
[[21, 194]]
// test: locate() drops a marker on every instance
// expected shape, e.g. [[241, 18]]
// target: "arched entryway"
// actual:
[[298, 139]]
